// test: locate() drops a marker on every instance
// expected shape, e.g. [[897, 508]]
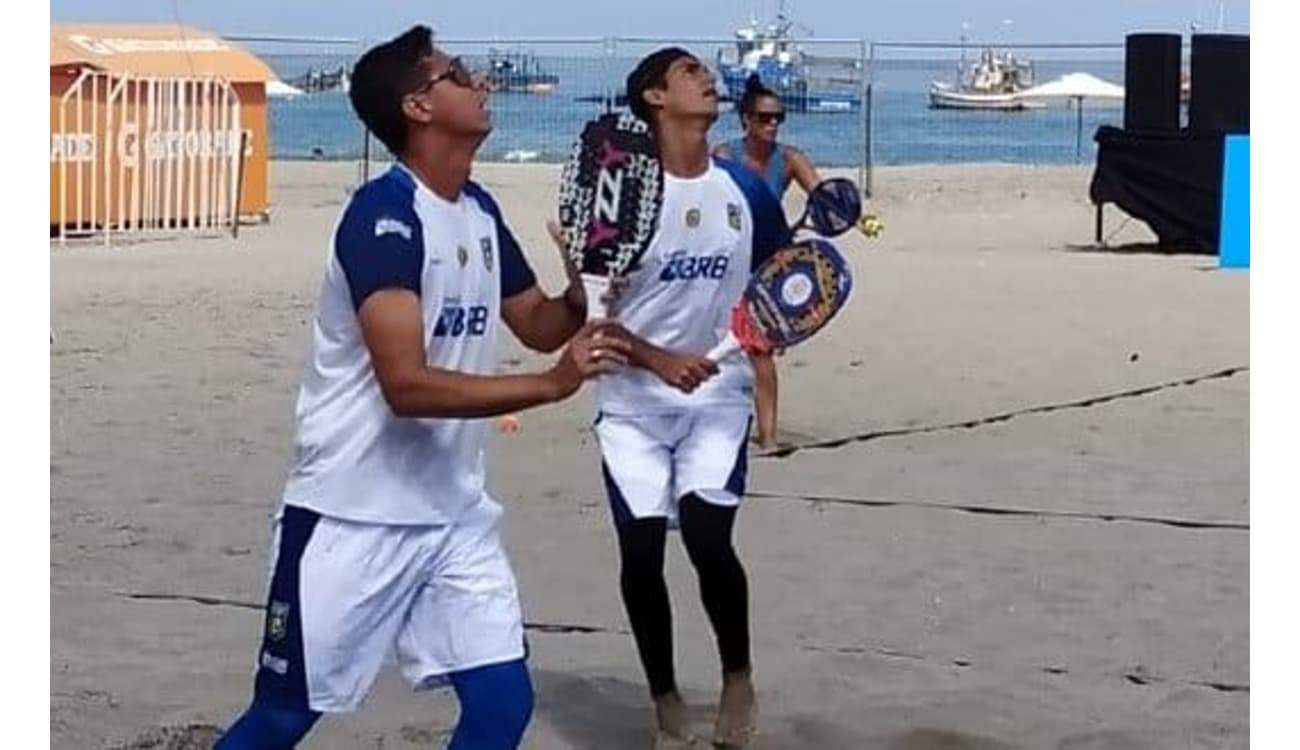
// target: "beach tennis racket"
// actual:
[[611, 192], [790, 297], [833, 208]]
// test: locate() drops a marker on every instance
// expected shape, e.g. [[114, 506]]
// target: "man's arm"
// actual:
[[684, 372], [379, 245], [544, 323], [393, 327]]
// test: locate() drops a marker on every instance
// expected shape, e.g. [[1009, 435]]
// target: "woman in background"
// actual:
[[777, 164]]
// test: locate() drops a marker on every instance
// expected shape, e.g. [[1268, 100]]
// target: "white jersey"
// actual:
[[353, 458], [714, 230]]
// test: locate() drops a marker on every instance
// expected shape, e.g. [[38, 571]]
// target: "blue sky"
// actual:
[[907, 20]]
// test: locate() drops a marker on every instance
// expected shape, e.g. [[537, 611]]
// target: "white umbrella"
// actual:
[[1076, 87]]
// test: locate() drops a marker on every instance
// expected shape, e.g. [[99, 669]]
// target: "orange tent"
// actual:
[[139, 105]]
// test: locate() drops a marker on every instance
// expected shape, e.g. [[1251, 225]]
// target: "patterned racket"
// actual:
[[611, 191], [789, 298], [833, 208]]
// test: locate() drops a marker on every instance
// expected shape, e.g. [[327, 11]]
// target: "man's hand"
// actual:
[[595, 349], [685, 372]]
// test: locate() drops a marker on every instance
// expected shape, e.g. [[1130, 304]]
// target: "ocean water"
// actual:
[[903, 129]]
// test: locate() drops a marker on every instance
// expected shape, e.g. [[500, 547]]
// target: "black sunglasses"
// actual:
[[456, 71], [776, 117]]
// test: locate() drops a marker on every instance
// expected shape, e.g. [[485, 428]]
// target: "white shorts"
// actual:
[[345, 597], [652, 461]]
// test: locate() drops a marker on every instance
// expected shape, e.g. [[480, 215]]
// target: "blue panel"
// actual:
[[1234, 226]]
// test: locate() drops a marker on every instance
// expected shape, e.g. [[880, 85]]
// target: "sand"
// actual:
[[987, 360]]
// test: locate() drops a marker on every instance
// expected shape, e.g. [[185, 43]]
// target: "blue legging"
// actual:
[[267, 726], [496, 703]]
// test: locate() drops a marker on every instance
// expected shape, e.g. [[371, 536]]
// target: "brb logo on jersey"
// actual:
[[461, 320], [683, 267]]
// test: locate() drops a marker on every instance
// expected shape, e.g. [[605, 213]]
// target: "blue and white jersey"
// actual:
[[353, 458], [714, 230]]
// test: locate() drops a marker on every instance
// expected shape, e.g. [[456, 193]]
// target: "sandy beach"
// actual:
[[989, 360]]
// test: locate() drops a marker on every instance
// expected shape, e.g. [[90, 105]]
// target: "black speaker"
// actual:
[[1220, 84], [1152, 68]]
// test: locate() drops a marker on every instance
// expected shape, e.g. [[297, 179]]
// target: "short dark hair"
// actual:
[[755, 89], [382, 77], [650, 73]]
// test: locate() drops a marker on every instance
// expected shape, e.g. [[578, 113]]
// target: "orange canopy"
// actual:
[[154, 50]]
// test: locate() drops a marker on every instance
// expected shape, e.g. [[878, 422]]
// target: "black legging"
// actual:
[[706, 532]]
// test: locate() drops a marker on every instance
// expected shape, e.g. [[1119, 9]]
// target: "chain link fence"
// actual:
[[308, 111], [864, 104], [921, 108], [545, 89]]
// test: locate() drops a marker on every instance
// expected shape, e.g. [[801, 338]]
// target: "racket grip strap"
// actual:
[[728, 346]]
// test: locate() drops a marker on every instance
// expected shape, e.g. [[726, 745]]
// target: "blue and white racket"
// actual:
[[789, 298], [798, 290]]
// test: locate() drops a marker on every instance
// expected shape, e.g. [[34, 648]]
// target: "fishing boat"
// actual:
[[317, 80], [994, 82], [803, 82], [518, 73]]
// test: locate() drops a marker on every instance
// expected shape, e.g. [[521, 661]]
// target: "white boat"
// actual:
[[947, 96], [994, 82], [277, 89]]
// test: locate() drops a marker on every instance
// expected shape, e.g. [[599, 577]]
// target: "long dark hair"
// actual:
[[754, 90]]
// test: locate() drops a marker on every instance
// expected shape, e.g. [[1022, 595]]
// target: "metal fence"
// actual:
[[911, 122], [547, 88], [317, 122]]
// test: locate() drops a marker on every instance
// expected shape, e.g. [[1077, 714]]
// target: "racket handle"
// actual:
[[597, 289], [728, 346]]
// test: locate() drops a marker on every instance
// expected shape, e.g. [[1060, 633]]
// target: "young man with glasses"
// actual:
[[387, 541]]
